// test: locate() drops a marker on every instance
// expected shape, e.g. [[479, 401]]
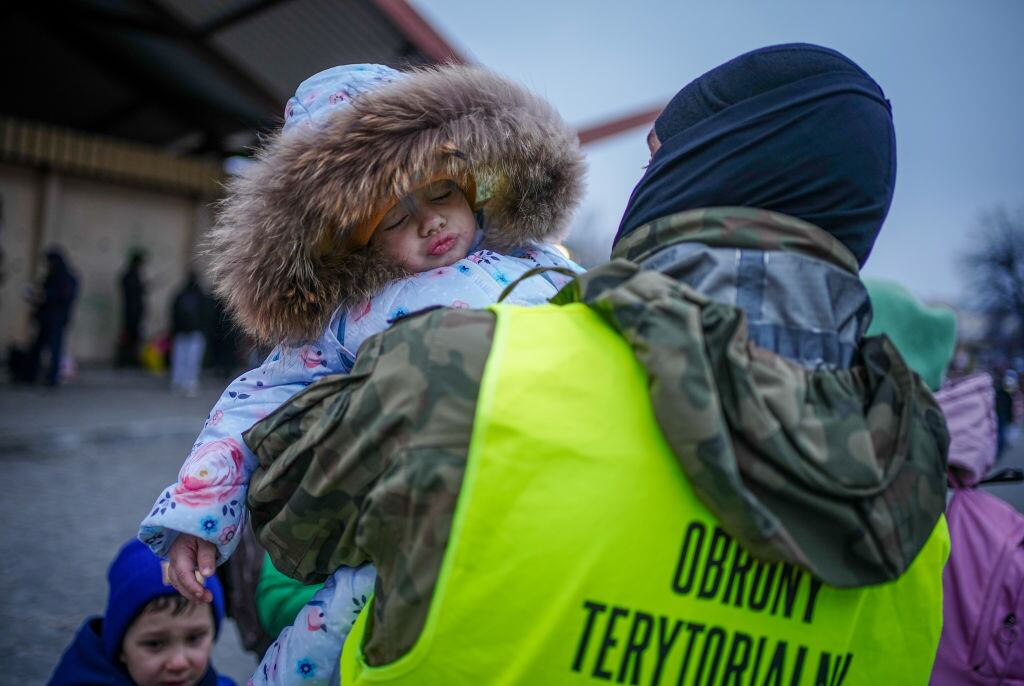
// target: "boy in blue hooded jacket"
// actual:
[[149, 633]]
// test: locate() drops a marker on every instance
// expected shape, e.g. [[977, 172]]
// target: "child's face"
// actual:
[[161, 648], [434, 227]]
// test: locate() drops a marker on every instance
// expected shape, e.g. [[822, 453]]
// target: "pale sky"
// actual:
[[953, 69]]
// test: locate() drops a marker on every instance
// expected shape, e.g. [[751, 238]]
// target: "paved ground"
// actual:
[[81, 466]]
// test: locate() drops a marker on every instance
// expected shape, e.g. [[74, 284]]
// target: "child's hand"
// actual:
[[192, 561]]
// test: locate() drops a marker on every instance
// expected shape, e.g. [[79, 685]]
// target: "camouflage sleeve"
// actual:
[[840, 472], [345, 466]]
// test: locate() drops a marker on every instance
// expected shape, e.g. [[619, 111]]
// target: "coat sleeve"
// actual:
[[208, 499], [333, 485], [367, 466], [548, 256]]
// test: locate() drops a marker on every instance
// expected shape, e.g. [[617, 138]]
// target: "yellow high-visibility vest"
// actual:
[[580, 554]]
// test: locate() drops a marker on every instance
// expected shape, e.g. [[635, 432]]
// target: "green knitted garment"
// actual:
[[924, 335]]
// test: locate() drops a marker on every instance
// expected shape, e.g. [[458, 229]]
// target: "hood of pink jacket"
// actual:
[[969, 406]]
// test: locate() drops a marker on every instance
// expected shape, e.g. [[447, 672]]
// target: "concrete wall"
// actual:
[[98, 224], [19, 190]]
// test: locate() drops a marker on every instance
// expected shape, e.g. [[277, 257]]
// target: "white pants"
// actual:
[[187, 361]]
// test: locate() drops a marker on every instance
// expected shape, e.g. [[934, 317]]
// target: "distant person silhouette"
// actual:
[[53, 302], [189, 315], [133, 302]]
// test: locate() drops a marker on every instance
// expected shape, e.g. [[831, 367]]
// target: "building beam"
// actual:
[[91, 45], [597, 132], [90, 14], [241, 14], [419, 32], [237, 74]]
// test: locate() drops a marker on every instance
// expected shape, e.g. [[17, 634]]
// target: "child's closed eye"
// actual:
[[441, 197], [395, 223]]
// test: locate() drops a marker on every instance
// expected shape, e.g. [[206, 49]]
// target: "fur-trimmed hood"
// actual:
[[275, 251]]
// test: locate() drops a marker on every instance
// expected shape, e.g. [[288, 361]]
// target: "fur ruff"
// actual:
[[274, 251]]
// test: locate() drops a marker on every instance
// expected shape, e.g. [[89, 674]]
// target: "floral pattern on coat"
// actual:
[[208, 498], [210, 475]]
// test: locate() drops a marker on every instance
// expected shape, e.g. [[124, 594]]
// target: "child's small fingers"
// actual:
[[187, 584], [172, 579], [206, 557], [183, 587]]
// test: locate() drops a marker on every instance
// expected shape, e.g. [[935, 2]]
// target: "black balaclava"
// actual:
[[797, 129]]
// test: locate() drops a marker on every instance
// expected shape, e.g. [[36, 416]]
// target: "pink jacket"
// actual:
[[983, 583]]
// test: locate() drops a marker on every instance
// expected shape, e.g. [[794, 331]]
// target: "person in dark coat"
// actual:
[[133, 302], [53, 302], [223, 339]]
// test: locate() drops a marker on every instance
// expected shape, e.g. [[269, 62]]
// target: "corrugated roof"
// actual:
[[198, 76], [292, 40], [190, 75], [201, 13]]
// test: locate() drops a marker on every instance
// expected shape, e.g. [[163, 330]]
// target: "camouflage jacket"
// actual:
[[841, 472]]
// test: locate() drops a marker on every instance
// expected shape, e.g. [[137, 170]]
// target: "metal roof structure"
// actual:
[[191, 77], [199, 78]]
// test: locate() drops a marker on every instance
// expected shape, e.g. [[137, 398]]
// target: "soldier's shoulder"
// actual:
[[429, 338], [438, 323]]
